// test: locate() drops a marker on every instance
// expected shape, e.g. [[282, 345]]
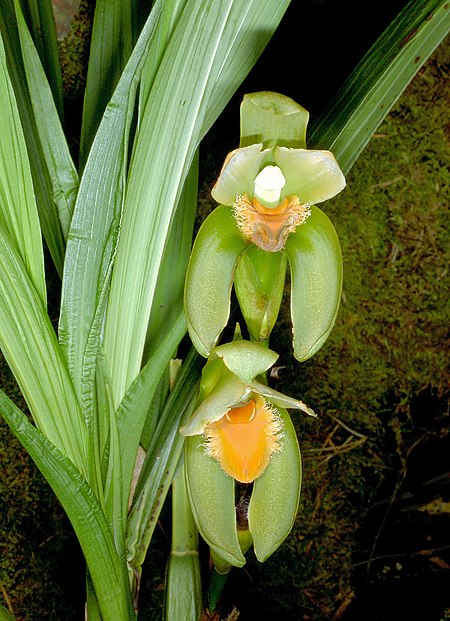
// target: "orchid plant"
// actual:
[[111, 426]]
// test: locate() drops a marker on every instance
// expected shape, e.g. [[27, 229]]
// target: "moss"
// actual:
[[39, 557], [74, 51]]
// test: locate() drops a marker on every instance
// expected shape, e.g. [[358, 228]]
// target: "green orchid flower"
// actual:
[[267, 217], [241, 433]]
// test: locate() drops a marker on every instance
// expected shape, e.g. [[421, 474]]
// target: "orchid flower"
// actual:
[[240, 432], [270, 200], [267, 216]]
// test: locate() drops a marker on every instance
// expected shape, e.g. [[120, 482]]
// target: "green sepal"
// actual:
[[259, 285], [274, 502], [211, 494], [245, 359], [273, 119], [209, 278], [279, 399], [221, 566], [228, 391], [315, 260]]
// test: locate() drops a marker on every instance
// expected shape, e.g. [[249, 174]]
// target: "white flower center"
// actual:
[[268, 185]]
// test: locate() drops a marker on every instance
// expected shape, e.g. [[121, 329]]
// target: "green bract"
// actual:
[[266, 452], [267, 192]]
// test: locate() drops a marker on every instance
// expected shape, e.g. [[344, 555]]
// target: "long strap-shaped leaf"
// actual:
[[95, 224], [170, 130], [131, 414], [111, 45], [40, 20], [161, 461], [18, 211], [31, 349], [378, 81], [48, 213], [56, 156], [106, 569]]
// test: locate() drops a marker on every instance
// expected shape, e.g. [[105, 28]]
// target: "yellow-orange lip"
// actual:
[[244, 440], [269, 228]]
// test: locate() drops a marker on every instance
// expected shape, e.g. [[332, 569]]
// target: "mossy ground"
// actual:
[[374, 500]]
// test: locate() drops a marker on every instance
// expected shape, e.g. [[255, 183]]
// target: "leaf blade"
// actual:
[[379, 79], [79, 502]]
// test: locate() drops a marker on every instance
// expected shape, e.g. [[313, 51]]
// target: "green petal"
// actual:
[[245, 359], [314, 176], [259, 285], [238, 174], [279, 399], [228, 391], [276, 493], [272, 118], [315, 259], [210, 277], [211, 493]]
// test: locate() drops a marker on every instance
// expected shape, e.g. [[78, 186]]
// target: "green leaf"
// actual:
[[161, 462], [48, 213], [93, 234], [367, 96], [189, 83], [168, 299], [315, 260], [111, 46], [249, 29], [56, 160], [5, 615], [171, 11], [41, 23], [133, 409], [31, 349], [106, 568], [18, 212], [274, 501]]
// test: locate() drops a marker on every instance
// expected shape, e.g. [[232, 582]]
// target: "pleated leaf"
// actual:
[[56, 156], [111, 46], [48, 212], [18, 212], [132, 412], [106, 569], [380, 78], [41, 23], [161, 462], [31, 349], [177, 111], [93, 234]]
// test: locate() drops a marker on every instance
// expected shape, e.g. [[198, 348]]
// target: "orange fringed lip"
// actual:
[[244, 440], [269, 228]]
